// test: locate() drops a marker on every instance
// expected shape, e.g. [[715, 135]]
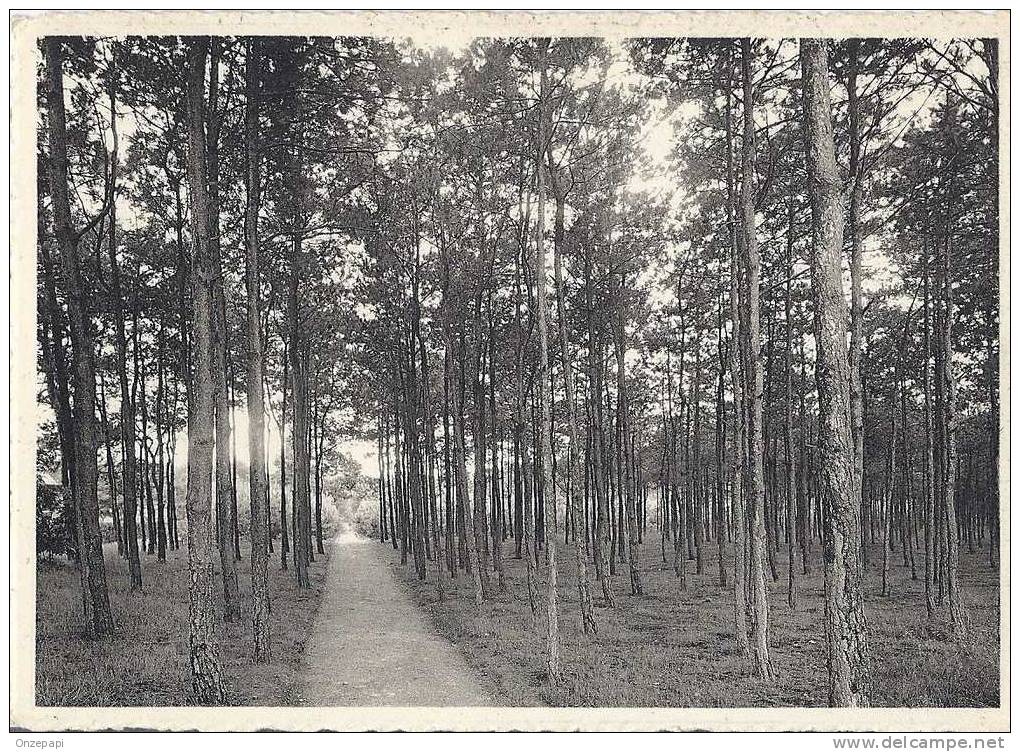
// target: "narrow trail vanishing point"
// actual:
[[371, 645]]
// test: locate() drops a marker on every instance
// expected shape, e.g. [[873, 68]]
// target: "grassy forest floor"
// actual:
[[675, 649], [666, 648], [146, 663]]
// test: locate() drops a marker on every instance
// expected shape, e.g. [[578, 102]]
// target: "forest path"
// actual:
[[371, 645]]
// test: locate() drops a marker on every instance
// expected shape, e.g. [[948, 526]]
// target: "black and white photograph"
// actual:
[[383, 361]]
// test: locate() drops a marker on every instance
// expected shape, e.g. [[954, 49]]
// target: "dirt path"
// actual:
[[371, 645]]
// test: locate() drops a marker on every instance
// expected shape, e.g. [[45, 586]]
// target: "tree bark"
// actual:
[[460, 470], [889, 499], [929, 453], [284, 535], [756, 507], [545, 392], [623, 421], [258, 486], [127, 404], [91, 566], [846, 629], [791, 470], [597, 463], [588, 624], [205, 665], [738, 508], [55, 356], [143, 449], [856, 315], [225, 521], [720, 447], [161, 537], [298, 350], [957, 613], [449, 528]]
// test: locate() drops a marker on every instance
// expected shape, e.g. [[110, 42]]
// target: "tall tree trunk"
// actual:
[[909, 518], [678, 445], [284, 535], [856, 314], [696, 520], [258, 486], [460, 470], [400, 478], [136, 382], [55, 355], [127, 404], [232, 411], [597, 463], [161, 537], [412, 435], [183, 289], [623, 422], [479, 521], [143, 450], [171, 503], [957, 613], [791, 470], [299, 368], [89, 540], [846, 630], [738, 507], [205, 665], [545, 392], [450, 528], [382, 478], [756, 507], [528, 527], [720, 446], [524, 511], [889, 498], [225, 521], [576, 498], [803, 498], [319, 439], [497, 501], [929, 452]]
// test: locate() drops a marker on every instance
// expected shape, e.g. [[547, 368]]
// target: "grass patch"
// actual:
[[146, 662], [674, 648]]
